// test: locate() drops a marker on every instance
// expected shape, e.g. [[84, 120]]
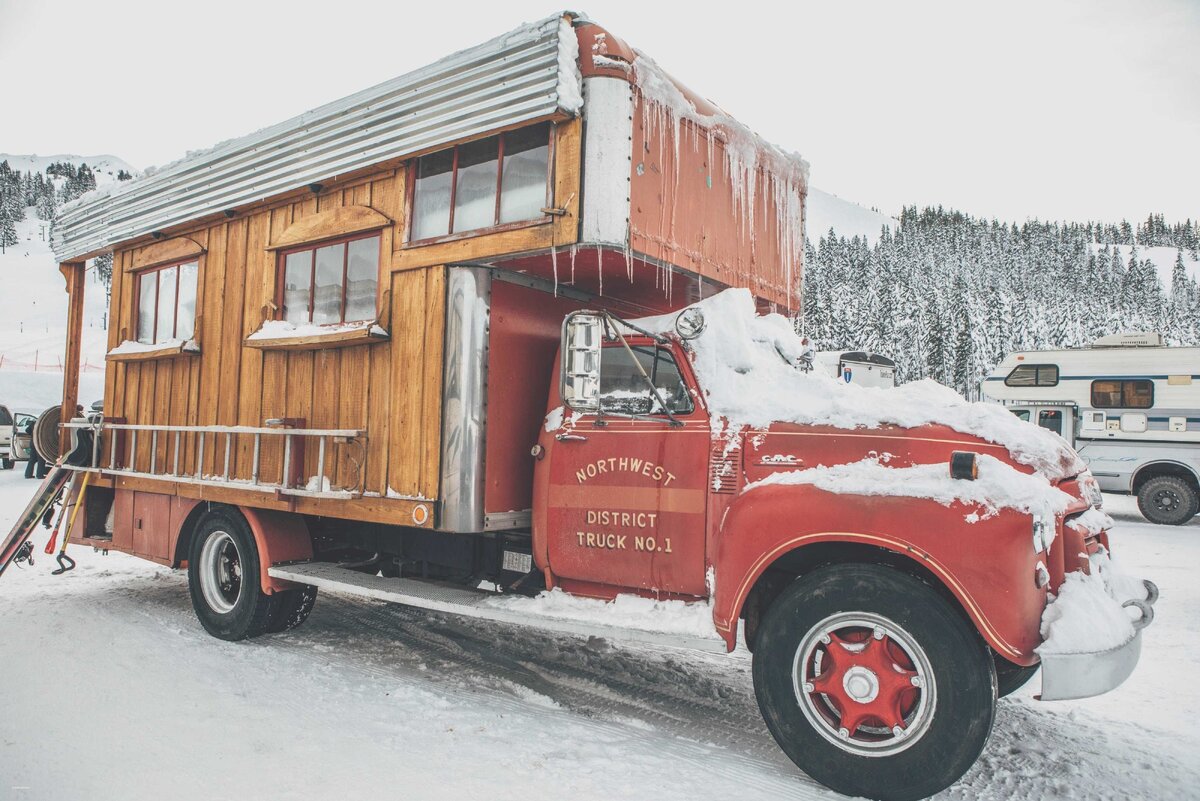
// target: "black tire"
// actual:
[[1168, 501], [292, 608], [1010, 677], [949, 720], [241, 609], [7, 464]]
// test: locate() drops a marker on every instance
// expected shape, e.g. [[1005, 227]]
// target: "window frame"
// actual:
[[659, 350], [343, 240], [138, 275], [1123, 382], [1037, 368], [450, 236]]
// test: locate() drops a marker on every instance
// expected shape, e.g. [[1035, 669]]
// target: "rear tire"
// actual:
[[1168, 501], [223, 577], [850, 654]]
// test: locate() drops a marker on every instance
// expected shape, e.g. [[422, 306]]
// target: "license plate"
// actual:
[[517, 562]]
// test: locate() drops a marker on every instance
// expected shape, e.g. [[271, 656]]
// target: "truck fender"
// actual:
[[280, 537], [932, 544]]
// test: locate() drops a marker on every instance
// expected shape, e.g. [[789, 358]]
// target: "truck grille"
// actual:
[[724, 467]]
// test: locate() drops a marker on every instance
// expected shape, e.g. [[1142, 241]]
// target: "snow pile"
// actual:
[[282, 329], [570, 79], [1087, 615], [318, 484], [1093, 521], [624, 611], [744, 362], [558, 418], [999, 486], [130, 346]]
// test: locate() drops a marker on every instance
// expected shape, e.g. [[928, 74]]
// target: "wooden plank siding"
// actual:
[[390, 387]]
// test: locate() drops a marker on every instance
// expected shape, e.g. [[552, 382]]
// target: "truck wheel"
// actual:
[[223, 576], [873, 684], [1010, 677], [1168, 501], [7, 464]]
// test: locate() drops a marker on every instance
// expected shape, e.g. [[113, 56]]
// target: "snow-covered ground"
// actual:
[[115, 691]]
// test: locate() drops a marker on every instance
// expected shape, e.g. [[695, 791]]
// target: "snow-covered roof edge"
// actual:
[[536, 64]]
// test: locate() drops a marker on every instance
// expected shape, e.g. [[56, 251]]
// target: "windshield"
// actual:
[[623, 389]]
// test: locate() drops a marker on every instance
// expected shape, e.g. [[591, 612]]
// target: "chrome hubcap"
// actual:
[[864, 684], [220, 572], [861, 684]]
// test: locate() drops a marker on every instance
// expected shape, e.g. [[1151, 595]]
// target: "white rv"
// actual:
[[1128, 404], [857, 367]]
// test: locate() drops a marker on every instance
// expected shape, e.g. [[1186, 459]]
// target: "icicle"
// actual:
[[554, 264]]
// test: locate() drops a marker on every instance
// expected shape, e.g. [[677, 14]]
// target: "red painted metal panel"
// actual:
[[123, 521], [151, 525], [683, 212], [524, 333], [625, 507]]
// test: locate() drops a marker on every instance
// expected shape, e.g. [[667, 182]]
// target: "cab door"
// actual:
[[624, 490]]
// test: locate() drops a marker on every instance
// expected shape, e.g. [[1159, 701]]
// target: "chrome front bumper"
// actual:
[[1067, 676]]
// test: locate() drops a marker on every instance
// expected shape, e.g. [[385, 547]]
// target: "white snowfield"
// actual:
[[744, 362], [116, 692]]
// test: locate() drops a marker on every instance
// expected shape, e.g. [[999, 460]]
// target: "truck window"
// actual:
[[1022, 413], [622, 388], [1126, 393], [1051, 419], [1033, 375], [5, 416]]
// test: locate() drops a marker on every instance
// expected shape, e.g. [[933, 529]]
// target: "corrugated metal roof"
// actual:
[[510, 79]]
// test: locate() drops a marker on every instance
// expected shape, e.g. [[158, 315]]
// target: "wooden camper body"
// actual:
[[448, 386]]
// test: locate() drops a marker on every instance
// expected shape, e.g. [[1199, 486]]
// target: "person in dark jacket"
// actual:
[[36, 466]]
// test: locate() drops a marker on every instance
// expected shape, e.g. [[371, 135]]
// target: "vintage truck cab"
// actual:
[[888, 605]]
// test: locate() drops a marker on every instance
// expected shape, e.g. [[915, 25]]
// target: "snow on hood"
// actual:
[[745, 364], [999, 485]]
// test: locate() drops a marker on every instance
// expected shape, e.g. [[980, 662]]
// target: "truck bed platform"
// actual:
[[456, 600]]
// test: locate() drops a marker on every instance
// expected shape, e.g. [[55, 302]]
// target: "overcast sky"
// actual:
[[1049, 109]]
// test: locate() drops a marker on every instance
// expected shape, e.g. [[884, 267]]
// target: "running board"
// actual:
[[475, 604]]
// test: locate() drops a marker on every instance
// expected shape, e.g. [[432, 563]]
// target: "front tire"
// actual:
[[1011, 677], [873, 684], [1168, 501], [223, 577], [7, 464]]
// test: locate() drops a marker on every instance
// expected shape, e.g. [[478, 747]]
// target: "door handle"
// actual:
[[565, 437]]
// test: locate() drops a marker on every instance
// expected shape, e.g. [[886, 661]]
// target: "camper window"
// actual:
[[166, 303], [1033, 375], [1135, 393], [335, 282], [500, 180]]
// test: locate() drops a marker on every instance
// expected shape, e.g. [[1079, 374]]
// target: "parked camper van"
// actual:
[[1128, 404], [857, 367]]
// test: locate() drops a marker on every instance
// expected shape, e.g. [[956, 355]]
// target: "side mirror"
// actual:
[[579, 382]]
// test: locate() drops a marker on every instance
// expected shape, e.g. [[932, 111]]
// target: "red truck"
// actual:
[[439, 343]]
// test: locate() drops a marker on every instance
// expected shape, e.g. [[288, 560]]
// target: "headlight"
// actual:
[[1090, 489]]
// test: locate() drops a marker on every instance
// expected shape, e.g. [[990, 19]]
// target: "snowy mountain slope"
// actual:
[[104, 167], [846, 218], [33, 319], [1163, 258]]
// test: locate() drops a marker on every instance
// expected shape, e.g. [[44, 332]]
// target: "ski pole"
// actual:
[[65, 562], [62, 512]]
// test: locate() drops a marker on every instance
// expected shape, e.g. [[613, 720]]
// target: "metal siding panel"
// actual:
[[506, 81], [607, 160]]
